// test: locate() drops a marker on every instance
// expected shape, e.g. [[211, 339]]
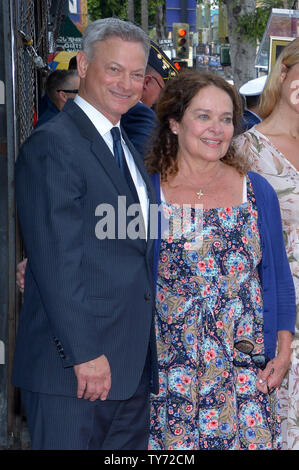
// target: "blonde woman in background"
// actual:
[[272, 148]]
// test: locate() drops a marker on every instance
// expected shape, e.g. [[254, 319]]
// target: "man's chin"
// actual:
[[124, 107]]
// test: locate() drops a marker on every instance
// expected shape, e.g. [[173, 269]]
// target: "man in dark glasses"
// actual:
[[61, 85]]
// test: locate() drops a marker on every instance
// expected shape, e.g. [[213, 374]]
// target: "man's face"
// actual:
[[112, 81], [69, 91], [153, 84]]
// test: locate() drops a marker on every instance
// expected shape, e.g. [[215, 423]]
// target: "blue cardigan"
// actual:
[[274, 270]]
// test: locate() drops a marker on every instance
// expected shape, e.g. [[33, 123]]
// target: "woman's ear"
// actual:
[[283, 72], [173, 125]]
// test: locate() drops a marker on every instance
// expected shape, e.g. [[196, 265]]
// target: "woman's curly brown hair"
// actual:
[[173, 102]]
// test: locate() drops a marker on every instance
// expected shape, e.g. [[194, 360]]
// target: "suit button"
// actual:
[[147, 296]]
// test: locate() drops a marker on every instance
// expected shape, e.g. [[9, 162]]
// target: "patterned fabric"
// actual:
[[208, 297], [283, 176]]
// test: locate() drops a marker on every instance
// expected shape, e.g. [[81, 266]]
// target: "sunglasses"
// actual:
[[68, 91], [245, 346], [156, 80]]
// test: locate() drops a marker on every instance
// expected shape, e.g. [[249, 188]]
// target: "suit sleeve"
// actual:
[[49, 193]]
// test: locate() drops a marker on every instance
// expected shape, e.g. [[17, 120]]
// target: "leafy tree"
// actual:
[[252, 25], [242, 51], [105, 8], [247, 21]]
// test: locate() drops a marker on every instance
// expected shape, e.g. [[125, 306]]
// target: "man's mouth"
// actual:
[[122, 96]]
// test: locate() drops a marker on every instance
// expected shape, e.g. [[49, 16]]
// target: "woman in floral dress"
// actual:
[[216, 279], [272, 148]]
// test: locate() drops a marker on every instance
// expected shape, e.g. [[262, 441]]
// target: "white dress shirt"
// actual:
[[104, 126]]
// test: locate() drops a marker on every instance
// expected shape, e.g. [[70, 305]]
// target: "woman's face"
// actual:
[[290, 87], [206, 130]]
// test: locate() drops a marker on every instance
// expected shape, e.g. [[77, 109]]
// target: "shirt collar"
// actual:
[[102, 124]]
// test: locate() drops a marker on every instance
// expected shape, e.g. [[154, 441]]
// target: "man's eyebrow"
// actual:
[[121, 66]]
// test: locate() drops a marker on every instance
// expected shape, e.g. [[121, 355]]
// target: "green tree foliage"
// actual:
[[252, 26], [106, 8]]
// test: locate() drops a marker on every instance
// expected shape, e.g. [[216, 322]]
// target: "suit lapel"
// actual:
[[140, 165], [150, 189], [99, 149], [106, 159]]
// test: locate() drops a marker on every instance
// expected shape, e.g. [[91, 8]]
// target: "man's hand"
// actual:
[[21, 268], [94, 379]]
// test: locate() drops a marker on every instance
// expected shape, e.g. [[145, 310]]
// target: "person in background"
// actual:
[[272, 150], [85, 356], [61, 85], [224, 294], [160, 69], [139, 122], [251, 92]]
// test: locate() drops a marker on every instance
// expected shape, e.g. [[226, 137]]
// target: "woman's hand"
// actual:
[[20, 275], [272, 376]]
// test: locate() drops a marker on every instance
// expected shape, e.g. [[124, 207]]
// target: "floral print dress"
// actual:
[[267, 160], [208, 297]]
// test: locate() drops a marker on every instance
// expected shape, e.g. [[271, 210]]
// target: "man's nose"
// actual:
[[125, 81]]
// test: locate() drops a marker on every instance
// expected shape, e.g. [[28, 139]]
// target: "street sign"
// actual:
[[68, 43]]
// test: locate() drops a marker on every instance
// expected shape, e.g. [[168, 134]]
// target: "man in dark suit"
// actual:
[[85, 356], [139, 121]]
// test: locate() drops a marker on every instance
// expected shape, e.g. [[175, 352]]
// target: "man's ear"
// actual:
[[63, 96], [147, 79], [61, 99], [82, 63]]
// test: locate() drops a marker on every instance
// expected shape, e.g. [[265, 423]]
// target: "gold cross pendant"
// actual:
[[199, 194]]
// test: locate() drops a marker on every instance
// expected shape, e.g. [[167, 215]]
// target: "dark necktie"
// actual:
[[121, 161]]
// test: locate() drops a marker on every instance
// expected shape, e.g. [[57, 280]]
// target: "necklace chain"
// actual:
[[201, 191]]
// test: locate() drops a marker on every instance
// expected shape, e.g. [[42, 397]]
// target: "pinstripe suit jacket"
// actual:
[[83, 296]]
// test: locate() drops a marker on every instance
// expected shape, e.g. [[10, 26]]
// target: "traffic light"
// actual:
[[180, 34], [225, 55], [179, 64]]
